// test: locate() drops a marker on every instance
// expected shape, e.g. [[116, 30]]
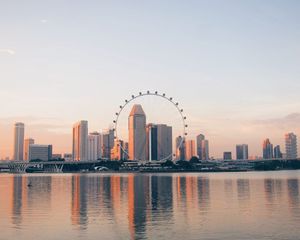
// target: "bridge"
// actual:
[[45, 166], [59, 166]]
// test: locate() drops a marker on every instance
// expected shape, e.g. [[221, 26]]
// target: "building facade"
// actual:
[[80, 141], [267, 149], [137, 133], [92, 147], [119, 151], [202, 147], [159, 142], [190, 149], [180, 148], [107, 143], [291, 146], [19, 129], [99, 143], [27, 143], [227, 156], [242, 152], [277, 152], [40, 152]]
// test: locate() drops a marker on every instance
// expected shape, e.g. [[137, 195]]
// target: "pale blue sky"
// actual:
[[234, 65]]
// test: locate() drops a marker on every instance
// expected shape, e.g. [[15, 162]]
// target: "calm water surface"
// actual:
[[255, 205]]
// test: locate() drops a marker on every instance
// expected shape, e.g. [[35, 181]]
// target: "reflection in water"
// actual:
[[203, 194], [143, 206], [17, 199], [269, 190], [294, 198], [79, 201]]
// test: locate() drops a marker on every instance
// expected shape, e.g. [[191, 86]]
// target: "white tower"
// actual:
[[19, 141]]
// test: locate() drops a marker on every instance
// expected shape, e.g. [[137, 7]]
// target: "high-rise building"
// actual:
[[40, 152], [202, 147], [99, 143], [291, 146], [277, 152], [267, 149], [18, 141], [118, 152], [205, 150], [137, 133], [107, 141], [190, 149], [92, 147], [180, 148], [151, 142], [200, 138], [27, 143], [158, 142], [227, 156], [80, 141], [242, 152]]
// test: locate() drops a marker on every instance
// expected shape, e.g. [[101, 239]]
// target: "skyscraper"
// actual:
[[118, 151], [190, 149], [151, 142], [267, 149], [92, 147], [202, 147], [180, 148], [137, 133], [159, 142], [277, 152], [200, 138], [99, 143], [291, 146], [107, 143], [27, 143], [18, 141], [80, 141], [242, 152]]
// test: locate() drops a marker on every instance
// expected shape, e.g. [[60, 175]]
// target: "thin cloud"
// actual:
[[7, 51], [288, 122]]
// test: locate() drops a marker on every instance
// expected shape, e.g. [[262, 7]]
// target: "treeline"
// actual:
[[277, 165]]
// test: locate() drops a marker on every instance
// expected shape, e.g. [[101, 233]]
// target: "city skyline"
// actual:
[[236, 75], [92, 146], [107, 134]]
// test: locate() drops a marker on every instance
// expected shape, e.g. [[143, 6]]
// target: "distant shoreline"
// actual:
[[145, 172]]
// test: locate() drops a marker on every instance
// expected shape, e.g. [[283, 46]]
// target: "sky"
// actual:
[[232, 65]]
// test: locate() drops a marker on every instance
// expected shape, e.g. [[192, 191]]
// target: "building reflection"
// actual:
[[203, 194], [293, 196], [269, 185], [192, 194], [17, 199], [161, 197], [243, 189], [79, 201], [139, 199]]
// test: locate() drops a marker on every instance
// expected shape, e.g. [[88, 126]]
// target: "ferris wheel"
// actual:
[[163, 98]]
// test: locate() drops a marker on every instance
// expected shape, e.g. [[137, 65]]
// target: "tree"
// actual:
[[194, 160], [184, 165], [168, 163]]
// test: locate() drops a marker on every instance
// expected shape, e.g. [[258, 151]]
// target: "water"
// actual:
[[254, 205]]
